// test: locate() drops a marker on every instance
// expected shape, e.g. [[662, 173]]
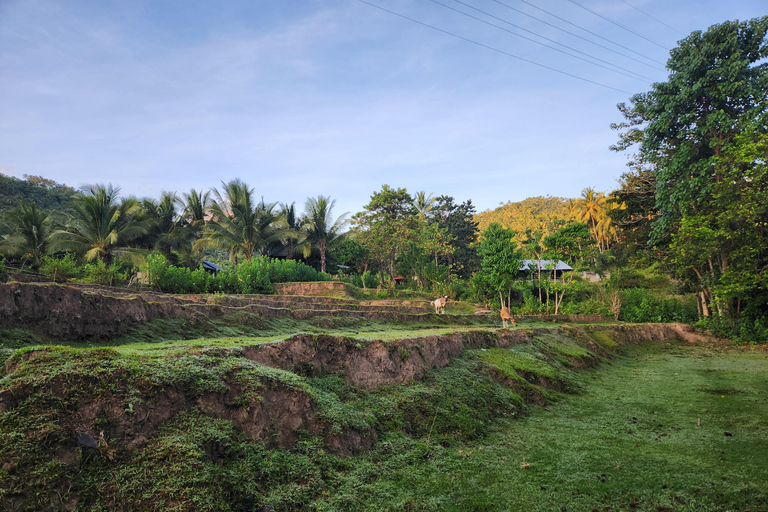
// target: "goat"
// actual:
[[439, 304]]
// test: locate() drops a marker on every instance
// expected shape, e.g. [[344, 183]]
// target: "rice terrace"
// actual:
[[329, 403]]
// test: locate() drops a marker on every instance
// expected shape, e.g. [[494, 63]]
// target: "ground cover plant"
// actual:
[[456, 440]]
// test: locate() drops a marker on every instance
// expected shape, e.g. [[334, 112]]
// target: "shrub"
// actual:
[[98, 273], [641, 305], [60, 269], [2, 269]]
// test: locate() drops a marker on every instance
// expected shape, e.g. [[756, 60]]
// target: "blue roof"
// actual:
[[207, 265]]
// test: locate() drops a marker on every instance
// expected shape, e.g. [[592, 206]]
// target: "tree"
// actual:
[[101, 227], [423, 202], [701, 135], [296, 239], [322, 229], [567, 243], [592, 209], [459, 224], [30, 231], [501, 260], [240, 226], [386, 226]]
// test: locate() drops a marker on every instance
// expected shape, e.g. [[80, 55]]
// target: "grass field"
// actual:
[[659, 426], [631, 441]]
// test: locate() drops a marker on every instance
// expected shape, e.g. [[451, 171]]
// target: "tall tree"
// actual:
[[100, 226], [239, 225], [692, 133], [296, 240], [458, 221], [501, 259], [591, 209], [322, 228], [387, 225], [423, 202]]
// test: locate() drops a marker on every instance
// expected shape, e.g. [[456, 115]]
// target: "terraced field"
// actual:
[[114, 400]]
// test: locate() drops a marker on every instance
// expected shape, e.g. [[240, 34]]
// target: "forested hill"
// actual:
[[536, 213], [45, 193]]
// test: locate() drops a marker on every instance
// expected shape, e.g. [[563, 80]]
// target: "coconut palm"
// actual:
[[240, 226], [30, 232], [196, 206], [591, 209], [423, 203], [101, 227], [322, 228], [295, 241]]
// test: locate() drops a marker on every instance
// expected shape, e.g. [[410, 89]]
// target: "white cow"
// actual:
[[439, 304]]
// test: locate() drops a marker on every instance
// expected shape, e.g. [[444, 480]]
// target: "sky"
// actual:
[[488, 100]]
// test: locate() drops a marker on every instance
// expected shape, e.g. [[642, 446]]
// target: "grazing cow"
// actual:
[[439, 304], [506, 316]]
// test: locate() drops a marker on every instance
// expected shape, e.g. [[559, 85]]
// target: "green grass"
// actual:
[[629, 440]]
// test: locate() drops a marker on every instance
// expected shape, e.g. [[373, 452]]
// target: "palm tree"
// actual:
[[590, 209], [321, 227], [240, 226], [423, 203], [189, 228], [295, 240], [101, 227], [30, 232], [162, 219], [196, 206]]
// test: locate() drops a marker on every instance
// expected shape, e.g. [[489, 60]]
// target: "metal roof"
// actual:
[[212, 267], [545, 265]]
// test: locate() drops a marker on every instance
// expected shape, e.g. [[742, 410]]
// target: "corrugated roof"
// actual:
[[545, 265]]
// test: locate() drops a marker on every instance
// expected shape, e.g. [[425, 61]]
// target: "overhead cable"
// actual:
[[492, 48], [578, 36], [619, 25], [546, 39], [590, 32], [653, 18]]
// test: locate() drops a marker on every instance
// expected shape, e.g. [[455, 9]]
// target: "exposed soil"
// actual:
[[80, 313]]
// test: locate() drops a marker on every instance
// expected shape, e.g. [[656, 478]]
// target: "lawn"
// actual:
[[665, 427]]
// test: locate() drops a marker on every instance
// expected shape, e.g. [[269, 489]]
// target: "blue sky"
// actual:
[[335, 97]]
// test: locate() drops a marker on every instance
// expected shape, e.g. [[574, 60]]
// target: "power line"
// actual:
[[578, 36], [655, 19], [494, 49], [545, 38], [590, 32], [619, 25]]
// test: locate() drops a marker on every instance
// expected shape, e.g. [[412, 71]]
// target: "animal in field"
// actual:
[[506, 317], [439, 304]]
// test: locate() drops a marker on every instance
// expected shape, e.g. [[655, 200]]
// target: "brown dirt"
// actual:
[[88, 313]]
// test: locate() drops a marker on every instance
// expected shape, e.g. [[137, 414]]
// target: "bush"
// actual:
[[255, 276], [641, 305], [98, 273], [2, 270], [60, 270]]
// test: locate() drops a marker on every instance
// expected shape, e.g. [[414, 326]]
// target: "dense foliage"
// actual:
[[702, 149]]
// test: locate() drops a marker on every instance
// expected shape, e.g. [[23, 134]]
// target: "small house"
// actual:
[[548, 267]]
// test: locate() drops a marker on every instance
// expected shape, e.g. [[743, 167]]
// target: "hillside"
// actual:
[[536, 213], [45, 193]]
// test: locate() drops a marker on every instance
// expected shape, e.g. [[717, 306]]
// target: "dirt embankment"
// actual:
[[85, 314], [117, 421], [370, 364]]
